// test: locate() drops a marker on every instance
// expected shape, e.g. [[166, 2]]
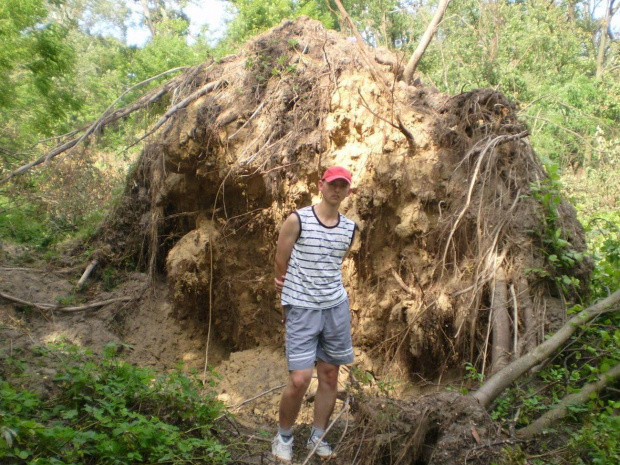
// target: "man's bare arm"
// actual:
[[286, 240], [289, 232]]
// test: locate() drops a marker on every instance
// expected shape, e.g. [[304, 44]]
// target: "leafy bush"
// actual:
[[23, 225], [598, 442], [108, 412]]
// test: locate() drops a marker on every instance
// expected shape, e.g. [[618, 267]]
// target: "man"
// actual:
[[315, 308]]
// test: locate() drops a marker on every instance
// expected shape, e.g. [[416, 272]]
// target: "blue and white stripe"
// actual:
[[313, 277]]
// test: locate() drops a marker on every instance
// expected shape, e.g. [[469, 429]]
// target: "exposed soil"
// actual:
[[443, 203]]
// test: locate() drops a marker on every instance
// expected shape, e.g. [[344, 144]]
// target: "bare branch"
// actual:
[[199, 93], [562, 409]]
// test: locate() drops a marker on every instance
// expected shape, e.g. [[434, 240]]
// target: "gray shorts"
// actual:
[[318, 334]]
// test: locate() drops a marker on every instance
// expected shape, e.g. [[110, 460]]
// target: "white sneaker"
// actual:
[[282, 450], [323, 451]]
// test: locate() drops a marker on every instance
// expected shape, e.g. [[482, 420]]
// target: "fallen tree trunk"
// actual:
[[560, 410], [495, 385]]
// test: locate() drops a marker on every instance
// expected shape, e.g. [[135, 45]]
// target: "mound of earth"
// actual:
[[444, 201]]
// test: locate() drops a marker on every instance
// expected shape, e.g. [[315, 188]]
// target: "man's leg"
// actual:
[[293, 396], [326, 393]]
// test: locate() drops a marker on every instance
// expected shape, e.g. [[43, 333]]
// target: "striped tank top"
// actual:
[[313, 276]]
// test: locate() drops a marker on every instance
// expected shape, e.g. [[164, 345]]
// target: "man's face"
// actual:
[[335, 191]]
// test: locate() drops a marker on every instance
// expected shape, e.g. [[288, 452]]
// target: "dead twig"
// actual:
[[402, 284], [330, 68], [344, 408], [238, 406], [256, 112]]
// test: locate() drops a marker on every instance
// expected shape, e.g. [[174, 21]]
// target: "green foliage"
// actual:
[[534, 55], [595, 192], [561, 258], [21, 225], [472, 374], [37, 74], [381, 22], [386, 387], [384, 22], [166, 50], [106, 411], [111, 278], [598, 441], [255, 16], [604, 240]]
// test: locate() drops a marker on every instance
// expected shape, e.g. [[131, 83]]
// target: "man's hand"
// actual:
[[279, 281]]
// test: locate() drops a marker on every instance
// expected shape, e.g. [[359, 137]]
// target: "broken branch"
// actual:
[[89, 269], [562, 409], [142, 102]]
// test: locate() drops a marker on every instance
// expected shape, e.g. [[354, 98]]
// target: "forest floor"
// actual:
[[249, 382]]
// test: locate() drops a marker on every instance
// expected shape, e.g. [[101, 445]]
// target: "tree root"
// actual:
[[500, 348], [87, 272], [109, 117], [58, 308]]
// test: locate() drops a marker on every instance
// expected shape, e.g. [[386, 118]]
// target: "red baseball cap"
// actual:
[[336, 172]]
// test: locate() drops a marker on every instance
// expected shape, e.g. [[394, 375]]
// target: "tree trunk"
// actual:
[[147, 16], [602, 46], [562, 409], [497, 383], [426, 39]]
